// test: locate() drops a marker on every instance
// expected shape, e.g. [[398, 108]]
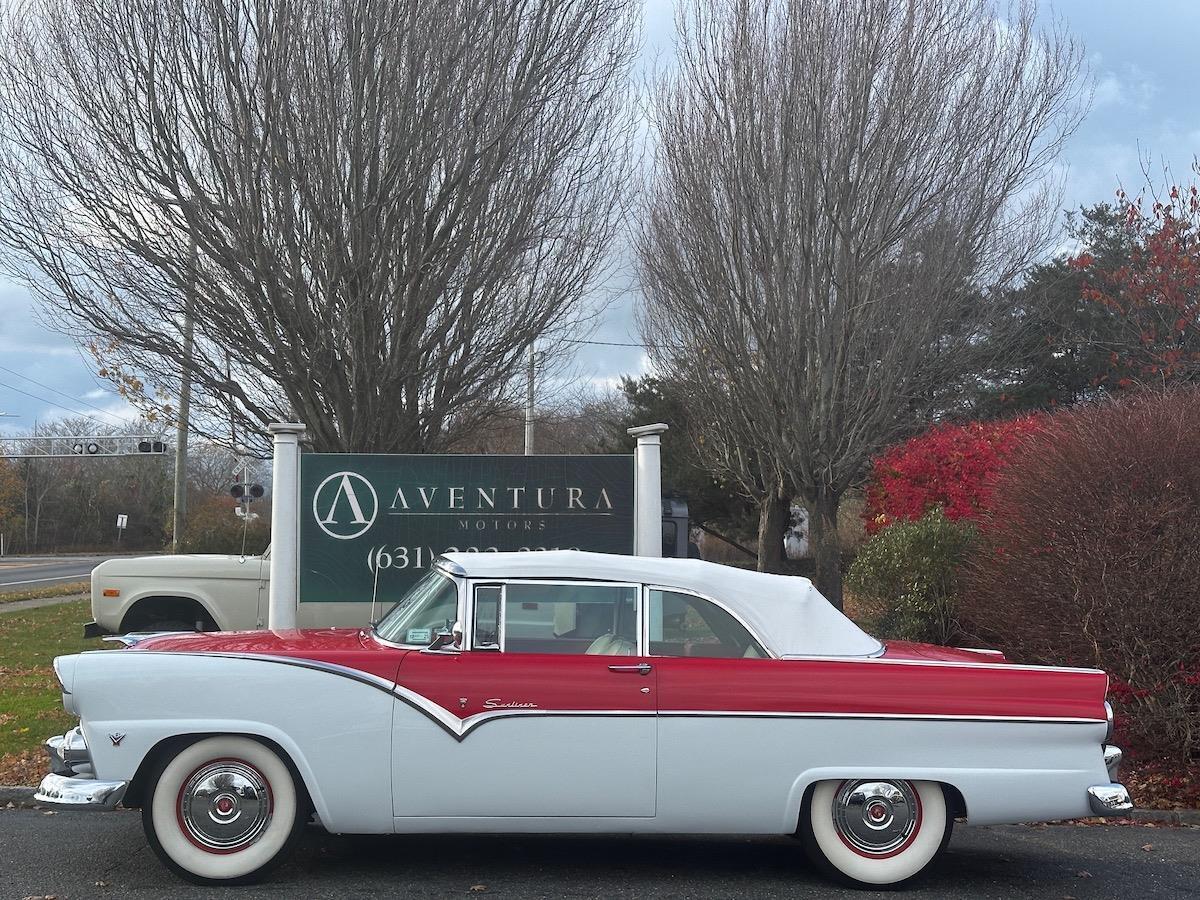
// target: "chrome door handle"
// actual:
[[639, 669]]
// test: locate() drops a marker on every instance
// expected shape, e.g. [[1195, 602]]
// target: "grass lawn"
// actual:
[[58, 590], [30, 698]]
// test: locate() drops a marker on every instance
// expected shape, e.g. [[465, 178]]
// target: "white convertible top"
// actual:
[[785, 612]]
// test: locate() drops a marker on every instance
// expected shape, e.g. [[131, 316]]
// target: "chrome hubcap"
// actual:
[[225, 806], [876, 817]]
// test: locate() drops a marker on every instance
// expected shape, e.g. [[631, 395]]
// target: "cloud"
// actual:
[[1130, 87]]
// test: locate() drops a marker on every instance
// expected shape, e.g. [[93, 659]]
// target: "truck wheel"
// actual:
[[875, 832], [169, 625], [225, 810]]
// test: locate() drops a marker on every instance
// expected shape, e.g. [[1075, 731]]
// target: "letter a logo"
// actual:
[[345, 505]]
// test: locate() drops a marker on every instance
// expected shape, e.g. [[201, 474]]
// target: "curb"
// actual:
[[22, 798], [1168, 816], [18, 797]]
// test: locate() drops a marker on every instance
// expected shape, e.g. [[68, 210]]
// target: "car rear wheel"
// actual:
[[875, 832], [224, 810]]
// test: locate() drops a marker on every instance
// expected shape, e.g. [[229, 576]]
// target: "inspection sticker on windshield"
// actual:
[[419, 636]]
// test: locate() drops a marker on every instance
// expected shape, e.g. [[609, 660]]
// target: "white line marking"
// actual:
[[40, 580]]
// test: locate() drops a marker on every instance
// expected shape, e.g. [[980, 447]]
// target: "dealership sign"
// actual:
[[375, 523]]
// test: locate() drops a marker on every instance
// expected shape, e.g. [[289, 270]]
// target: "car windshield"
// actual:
[[428, 609]]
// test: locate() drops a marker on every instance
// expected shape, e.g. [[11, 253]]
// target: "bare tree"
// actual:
[[834, 185], [390, 200]]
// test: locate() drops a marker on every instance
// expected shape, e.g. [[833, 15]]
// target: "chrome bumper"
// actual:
[[72, 783], [63, 792], [1109, 800]]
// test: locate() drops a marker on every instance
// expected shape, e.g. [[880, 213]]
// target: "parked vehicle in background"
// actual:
[[580, 692], [211, 592], [197, 592]]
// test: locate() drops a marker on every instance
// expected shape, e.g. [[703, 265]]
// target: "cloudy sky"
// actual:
[[1142, 56]]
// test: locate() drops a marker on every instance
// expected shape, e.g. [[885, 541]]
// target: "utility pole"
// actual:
[[179, 517], [529, 402]]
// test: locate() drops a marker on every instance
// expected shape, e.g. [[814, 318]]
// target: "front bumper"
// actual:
[[64, 792], [72, 783]]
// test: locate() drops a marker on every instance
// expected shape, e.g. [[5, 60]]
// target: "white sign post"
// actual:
[[122, 524], [647, 533], [285, 526]]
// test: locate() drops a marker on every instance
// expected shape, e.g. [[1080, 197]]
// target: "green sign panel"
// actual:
[[365, 517]]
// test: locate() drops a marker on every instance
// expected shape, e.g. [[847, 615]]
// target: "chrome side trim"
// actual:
[[459, 728], [936, 663], [1108, 714], [1109, 800], [63, 792]]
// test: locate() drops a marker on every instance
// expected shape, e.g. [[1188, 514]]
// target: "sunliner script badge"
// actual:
[[497, 703]]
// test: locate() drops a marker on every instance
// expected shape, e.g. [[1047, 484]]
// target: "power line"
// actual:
[[61, 393], [57, 405], [602, 343]]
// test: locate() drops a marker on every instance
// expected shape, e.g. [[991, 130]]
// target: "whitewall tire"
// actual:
[[875, 831], [223, 810]]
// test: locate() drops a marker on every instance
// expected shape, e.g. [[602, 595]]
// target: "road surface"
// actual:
[[73, 855], [27, 573]]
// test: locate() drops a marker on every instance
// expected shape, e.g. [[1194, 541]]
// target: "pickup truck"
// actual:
[[179, 593]]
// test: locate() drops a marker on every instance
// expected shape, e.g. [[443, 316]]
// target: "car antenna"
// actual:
[[375, 592]]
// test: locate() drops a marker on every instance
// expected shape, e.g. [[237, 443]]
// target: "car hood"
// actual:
[[195, 565], [348, 647], [298, 640]]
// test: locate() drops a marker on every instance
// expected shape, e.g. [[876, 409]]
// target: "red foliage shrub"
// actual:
[[949, 466], [1090, 557]]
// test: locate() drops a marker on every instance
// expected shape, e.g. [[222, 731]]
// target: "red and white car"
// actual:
[[580, 692]]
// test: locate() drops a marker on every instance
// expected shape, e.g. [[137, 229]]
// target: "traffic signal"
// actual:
[[238, 491]]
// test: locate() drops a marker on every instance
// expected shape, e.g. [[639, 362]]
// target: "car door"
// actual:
[[720, 764], [547, 711]]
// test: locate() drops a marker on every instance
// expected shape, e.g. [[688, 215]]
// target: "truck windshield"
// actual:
[[428, 609]]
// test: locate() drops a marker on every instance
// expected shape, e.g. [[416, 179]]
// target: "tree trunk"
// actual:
[[825, 545], [772, 517]]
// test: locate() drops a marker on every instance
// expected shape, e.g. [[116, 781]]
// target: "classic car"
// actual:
[[579, 692]]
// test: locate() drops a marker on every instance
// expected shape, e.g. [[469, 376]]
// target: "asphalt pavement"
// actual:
[[74, 855], [27, 573]]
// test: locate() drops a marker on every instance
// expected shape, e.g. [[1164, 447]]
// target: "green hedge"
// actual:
[[905, 579]]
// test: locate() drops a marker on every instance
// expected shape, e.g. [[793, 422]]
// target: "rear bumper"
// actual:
[[64, 792], [1110, 800]]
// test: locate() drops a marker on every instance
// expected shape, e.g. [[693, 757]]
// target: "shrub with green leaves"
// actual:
[[905, 579]]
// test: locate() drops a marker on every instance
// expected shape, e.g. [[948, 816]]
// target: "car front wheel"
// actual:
[[224, 810], [875, 832]]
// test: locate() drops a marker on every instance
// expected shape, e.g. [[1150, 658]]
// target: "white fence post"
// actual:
[[285, 526], [647, 503]]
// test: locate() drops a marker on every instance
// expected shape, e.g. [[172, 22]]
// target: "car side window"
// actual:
[[487, 617], [570, 618], [684, 625]]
